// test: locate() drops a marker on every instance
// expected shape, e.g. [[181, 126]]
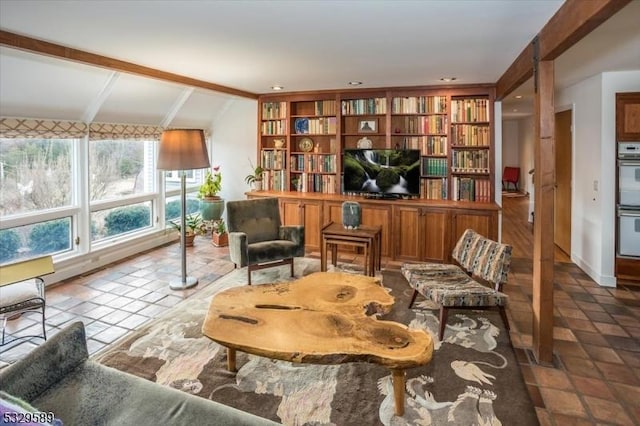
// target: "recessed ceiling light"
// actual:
[[515, 110], [355, 83], [277, 87], [448, 79], [519, 97]]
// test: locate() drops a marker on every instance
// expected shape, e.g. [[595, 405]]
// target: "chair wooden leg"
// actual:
[[444, 312], [503, 314], [292, 267], [249, 274], [413, 298]]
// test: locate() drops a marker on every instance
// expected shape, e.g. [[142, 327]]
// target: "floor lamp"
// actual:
[[183, 149]]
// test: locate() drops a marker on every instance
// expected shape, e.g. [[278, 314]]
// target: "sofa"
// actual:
[[58, 377]]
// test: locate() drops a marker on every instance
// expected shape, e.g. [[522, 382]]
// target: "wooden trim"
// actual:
[[570, 24], [543, 238], [58, 51]]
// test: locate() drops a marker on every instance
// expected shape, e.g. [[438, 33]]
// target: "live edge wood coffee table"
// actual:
[[323, 318]]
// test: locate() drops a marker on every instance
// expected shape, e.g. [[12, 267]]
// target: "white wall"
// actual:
[[593, 210], [526, 136], [510, 144], [234, 142]]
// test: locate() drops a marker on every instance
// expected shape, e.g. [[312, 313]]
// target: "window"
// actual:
[[39, 239]]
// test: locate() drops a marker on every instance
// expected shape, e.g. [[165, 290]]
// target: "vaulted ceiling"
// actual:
[[253, 45]]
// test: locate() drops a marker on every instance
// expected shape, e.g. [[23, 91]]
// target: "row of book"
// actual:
[[471, 135], [326, 107], [273, 127], [420, 124], [419, 105], [273, 159], [469, 110], [470, 189], [364, 106], [314, 163], [271, 110], [322, 126], [274, 180], [434, 189], [434, 166], [316, 183], [470, 161], [428, 145]]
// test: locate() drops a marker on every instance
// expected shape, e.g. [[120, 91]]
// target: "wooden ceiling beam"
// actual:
[[570, 24], [29, 44]]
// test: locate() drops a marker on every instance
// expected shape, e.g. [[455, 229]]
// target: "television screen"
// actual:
[[381, 171]]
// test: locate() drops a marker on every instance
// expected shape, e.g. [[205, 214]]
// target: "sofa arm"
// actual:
[[47, 364], [238, 248], [294, 233]]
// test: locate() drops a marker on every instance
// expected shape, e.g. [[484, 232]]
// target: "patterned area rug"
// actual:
[[473, 377]]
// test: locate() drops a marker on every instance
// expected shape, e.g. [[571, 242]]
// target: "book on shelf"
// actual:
[[471, 189], [471, 135], [434, 145], [419, 105], [370, 106], [434, 189], [274, 180], [423, 124], [273, 159], [434, 166], [273, 127], [470, 110], [326, 107], [470, 161], [273, 110]]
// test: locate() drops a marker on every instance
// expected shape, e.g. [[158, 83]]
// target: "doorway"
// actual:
[[562, 192]]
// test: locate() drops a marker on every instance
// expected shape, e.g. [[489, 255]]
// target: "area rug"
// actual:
[[473, 378]]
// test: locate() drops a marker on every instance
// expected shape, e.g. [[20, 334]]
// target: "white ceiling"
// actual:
[[302, 45]]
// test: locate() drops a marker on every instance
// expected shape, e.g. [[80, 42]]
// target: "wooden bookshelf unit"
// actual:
[[302, 138]]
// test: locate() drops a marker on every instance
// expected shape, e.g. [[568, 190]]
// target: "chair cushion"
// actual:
[[14, 294], [259, 219], [270, 251]]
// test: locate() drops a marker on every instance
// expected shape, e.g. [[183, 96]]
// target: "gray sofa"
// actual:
[[58, 377]]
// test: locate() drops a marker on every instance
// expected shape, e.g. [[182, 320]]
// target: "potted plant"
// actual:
[[194, 226], [255, 178], [219, 236], [211, 205]]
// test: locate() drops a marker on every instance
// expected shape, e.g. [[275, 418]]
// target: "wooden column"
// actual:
[[544, 179]]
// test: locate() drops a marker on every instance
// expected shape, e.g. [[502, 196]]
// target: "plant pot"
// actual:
[[211, 208], [257, 185], [220, 240], [189, 240]]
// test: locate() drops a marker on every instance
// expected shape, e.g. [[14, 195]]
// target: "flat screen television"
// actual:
[[381, 172]]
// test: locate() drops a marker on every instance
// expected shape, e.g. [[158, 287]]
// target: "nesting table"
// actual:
[[367, 237]]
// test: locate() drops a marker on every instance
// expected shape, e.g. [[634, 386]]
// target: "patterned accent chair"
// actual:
[[481, 261], [257, 238]]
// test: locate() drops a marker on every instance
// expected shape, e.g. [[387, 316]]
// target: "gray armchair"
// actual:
[[257, 238]]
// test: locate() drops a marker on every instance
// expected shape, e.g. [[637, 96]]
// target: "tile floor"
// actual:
[[595, 378]]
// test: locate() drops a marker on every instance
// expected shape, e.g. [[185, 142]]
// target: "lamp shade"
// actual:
[[182, 149]]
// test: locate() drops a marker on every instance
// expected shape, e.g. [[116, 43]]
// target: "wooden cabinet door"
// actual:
[[312, 220], [407, 233], [484, 223], [291, 211], [379, 215], [628, 117], [434, 236]]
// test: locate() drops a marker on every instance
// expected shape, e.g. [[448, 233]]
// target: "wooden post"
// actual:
[[398, 390], [231, 359], [544, 179]]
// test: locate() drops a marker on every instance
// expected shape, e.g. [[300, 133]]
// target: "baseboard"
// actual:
[[601, 280]]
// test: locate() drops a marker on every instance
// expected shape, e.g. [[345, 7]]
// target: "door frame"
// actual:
[[558, 109]]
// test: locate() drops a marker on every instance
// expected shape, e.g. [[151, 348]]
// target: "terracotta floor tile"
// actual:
[[592, 387], [544, 417], [587, 306], [600, 353], [552, 378], [572, 313], [627, 393], [632, 359], [581, 325], [617, 373], [536, 397], [608, 411], [600, 317], [572, 349], [612, 329], [562, 333], [562, 420], [581, 367], [563, 402]]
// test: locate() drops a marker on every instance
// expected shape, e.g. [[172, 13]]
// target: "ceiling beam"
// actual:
[[29, 44], [570, 24]]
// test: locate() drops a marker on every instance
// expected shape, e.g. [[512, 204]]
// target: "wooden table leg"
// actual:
[[231, 359], [334, 254], [398, 391], [323, 255]]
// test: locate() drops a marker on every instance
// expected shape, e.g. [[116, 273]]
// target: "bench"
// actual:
[[474, 283], [22, 289]]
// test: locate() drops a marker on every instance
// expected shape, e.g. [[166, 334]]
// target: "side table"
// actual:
[[367, 237]]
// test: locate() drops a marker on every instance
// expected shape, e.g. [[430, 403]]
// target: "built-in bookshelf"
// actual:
[[303, 137]]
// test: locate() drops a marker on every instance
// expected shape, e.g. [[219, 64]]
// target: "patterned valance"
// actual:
[[102, 131], [46, 129]]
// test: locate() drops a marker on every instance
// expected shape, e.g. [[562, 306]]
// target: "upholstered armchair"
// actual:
[[257, 238]]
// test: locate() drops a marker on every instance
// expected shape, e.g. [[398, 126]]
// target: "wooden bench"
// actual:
[[22, 289], [482, 262]]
